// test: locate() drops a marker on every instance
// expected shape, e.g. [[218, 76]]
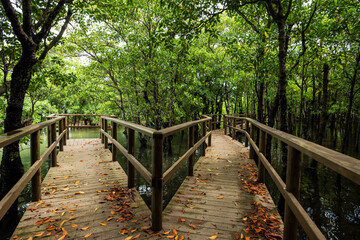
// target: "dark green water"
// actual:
[[332, 201]]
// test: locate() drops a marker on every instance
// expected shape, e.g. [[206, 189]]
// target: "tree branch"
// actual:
[[50, 20], [247, 20], [27, 21], [43, 17], [58, 37], [15, 23]]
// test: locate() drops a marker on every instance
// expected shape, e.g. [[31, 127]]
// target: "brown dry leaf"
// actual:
[[180, 192], [220, 197], [109, 218], [15, 237], [103, 224], [87, 235], [213, 237], [75, 204], [237, 236], [247, 238], [71, 218], [30, 238], [137, 236], [134, 230], [166, 233], [128, 238], [39, 234], [193, 226], [84, 228], [181, 219], [175, 232], [124, 230], [74, 225]]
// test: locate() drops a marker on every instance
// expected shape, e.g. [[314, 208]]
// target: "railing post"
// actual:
[[262, 149], [157, 182], [67, 127], [293, 178], [131, 150], [114, 136], [100, 127], [246, 129], [203, 133], [252, 135], [106, 142], [64, 128], [53, 139], [233, 130], [225, 125], [61, 143], [190, 145], [214, 122], [35, 156], [209, 138]]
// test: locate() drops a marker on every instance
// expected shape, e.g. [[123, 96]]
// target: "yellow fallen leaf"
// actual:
[[213, 237], [84, 228], [39, 234], [62, 223], [103, 224], [128, 238], [109, 218], [74, 225], [220, 197], [79, 192], [71, 218], [87, 235]]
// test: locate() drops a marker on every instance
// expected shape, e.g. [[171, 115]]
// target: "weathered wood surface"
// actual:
[[85, 175], [212, 199]]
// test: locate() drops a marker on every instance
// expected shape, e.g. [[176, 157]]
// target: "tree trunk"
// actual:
[[11, 167], [324, 115], [347, 133]]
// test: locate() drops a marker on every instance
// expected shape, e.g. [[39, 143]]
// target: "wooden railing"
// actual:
[[80, 122], [156, 178], [33, 173], [294, 213]]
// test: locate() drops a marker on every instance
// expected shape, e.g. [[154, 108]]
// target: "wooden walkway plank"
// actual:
[[212, 200], [73, 196]]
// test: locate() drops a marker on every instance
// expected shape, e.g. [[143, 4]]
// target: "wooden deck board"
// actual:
[[84, 169], [212, 199], [215, 175]]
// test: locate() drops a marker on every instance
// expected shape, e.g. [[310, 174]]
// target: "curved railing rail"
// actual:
[[33, 173], [156, 178], [342, 164]]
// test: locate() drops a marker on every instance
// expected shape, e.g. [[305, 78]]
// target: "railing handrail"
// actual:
[[37, 160], [137, 127], [340, 163], [345, 165], [13, 136]]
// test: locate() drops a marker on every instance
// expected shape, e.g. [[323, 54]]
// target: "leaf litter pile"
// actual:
[[261, 222]]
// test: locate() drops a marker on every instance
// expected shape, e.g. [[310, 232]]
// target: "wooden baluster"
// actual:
[[114, 136], [53, 139], [225, 125], [64, 128], [209, 138], [233, 130], [35, 156], [61, 142], [131, 150], [262, 149], [246, 129], [293, 178], [106, 142], [100, 127], [190, 145], [157, 182], [252, 135], [203, 133], [67, 127], [214, 121]]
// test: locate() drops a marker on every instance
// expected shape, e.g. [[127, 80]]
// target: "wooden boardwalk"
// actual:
[[212, 203], [74, 203], [77, 198]]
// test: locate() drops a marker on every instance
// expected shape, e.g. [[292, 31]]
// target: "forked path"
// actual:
[[211, 203], [80, 198], [75, 198]]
